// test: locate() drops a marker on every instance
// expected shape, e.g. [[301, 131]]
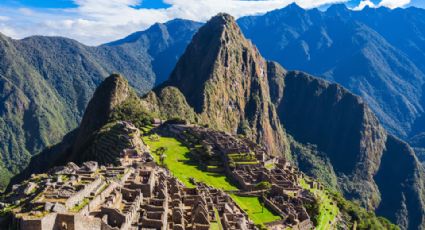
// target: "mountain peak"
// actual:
[[222, 19], [110, 93], [224, 78], [221, 24], [338, 9], [212, 45], [294, 6]]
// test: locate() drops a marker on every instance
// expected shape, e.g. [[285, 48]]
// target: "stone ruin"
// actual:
[[285, 198], [140, 196]]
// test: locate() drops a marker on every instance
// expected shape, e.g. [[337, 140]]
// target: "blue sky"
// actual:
[[95, 22]]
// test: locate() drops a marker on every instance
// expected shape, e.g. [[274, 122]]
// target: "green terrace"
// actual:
[[179, 161], [328, 210], [242, 159]]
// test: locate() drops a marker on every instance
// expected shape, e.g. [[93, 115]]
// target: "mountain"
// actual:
[[164, 43], [370, 166], [46, 83], [223, 82], [224, 79], [98, 137], [375, 53]]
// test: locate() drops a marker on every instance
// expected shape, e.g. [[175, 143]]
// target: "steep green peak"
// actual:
[[224, 27], [111, 93], [221, 20], [218, 47]]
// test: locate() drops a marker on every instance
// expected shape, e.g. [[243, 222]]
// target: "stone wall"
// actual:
[[45, 223], [272, 206], [80, 195], [98, 200]]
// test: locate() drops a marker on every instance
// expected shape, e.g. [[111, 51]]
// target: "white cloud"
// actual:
[[26, 11], [392, 4], [4, 18], [98, 21], [363, 4]]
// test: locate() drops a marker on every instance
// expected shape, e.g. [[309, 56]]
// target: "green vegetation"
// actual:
[[216, 225], [64, 178], [180, 164], [330, 204], [364, 219], [240, 157], [81, 205], [253, 207], [132, 110], [326, 211]]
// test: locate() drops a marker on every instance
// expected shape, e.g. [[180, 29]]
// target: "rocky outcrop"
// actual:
[[339, 124], [170, 104], [110, 94], [224, 79]]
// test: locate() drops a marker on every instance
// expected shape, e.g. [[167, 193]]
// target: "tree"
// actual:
[[161, 150], [162, 158], [263, 185]]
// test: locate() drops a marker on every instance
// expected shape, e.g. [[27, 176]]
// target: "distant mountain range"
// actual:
[[378, 54]]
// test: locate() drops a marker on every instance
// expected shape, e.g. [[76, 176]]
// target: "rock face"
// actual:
[[375, 168], [401, 184], [224, 79], [339, 124]]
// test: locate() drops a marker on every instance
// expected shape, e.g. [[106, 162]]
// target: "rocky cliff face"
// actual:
[[339, 124], [224, 79], [400, 180], [371, 166]]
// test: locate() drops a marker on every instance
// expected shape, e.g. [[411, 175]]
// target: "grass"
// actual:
[[64, 178], [328, 210], [216, 225], [179, 163], [269, 166], [253, 208], [81, 205]]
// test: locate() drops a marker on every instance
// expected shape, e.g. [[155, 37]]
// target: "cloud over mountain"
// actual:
[[97, 21]]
